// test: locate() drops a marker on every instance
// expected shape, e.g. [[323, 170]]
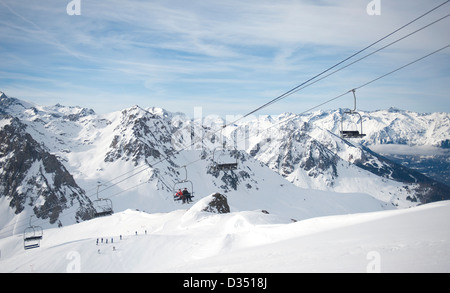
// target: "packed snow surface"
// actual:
[[190, 240]]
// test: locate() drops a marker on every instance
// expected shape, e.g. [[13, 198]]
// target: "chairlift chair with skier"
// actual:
[[181, 185]]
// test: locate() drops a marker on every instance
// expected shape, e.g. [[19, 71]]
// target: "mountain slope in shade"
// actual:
[[34, 180]]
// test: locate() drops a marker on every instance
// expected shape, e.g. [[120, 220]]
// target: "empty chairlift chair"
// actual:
[[102, 206], [223, 160], [346, 116], [32, 236]]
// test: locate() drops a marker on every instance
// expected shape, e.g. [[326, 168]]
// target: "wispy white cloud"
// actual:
[[173, 49]]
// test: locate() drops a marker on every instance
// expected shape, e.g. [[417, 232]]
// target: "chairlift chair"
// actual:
[[222, 161], [181, 184], [102, 206], [222, 158], [347, 133], [32, 236]]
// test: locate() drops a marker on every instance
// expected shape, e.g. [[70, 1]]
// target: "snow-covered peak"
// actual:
[[160, 112], [278, 153], [13, 106], [70, 112], [29, 111], [391, 126]]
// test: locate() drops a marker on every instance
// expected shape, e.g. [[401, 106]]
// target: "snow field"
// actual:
[[408, 240]]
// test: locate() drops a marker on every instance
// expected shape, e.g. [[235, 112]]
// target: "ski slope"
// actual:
[[189, 240]]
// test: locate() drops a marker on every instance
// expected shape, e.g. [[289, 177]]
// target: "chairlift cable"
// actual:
[[284, 121], [400, 68], [370, 54], [328, 101], [359, 87], [295, 89], [308, 83]]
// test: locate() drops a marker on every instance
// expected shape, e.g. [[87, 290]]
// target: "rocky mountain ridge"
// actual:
[[138, 155]]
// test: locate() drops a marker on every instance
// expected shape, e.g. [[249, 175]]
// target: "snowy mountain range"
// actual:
[[57, 161]]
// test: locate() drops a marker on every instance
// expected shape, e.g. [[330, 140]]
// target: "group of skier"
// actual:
[[184, 195]]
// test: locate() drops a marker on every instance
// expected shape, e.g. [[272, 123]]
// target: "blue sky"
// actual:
[[228, 56]]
